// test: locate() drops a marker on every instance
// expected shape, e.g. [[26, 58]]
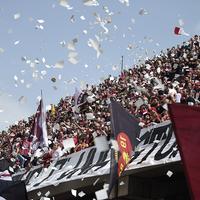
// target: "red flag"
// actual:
[[186, 122], [180, 31], [177, 31], [125, 130]]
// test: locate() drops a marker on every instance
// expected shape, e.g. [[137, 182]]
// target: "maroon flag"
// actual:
[[39, 131], [186, 122], [180, 31], [125, 130], [177, 30]]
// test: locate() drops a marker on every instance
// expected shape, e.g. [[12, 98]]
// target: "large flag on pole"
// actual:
[[186, 122], [39, 131], [125, 130]]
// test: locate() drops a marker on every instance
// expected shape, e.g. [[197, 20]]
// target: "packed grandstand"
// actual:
[[144, 90]]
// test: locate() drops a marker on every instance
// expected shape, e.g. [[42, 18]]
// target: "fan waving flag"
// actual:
[[125, 129], [39, 131], [186, 122]]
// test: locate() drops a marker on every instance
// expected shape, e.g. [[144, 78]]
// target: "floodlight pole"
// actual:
[[122, 64]]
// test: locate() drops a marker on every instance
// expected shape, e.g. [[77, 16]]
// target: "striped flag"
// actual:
[[39, 131]]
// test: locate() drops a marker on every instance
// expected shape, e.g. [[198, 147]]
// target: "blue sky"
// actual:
[[20, 37]]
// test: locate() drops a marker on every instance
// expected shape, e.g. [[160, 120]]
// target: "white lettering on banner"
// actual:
[[157, 146]]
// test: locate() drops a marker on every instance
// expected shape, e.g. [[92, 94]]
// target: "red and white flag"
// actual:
[[180, 31], [39, 131]]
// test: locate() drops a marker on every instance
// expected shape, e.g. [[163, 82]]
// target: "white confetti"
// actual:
[[35, 174], [82, 17], [73, 60], [28, 85], [36, 61], [96, 46], [81, 194], [39, 27], [2, 50], [40, 21], [22, 71], [101, 194], [59, 77], [157, 44], [133, 20], [11, 169], [138, 139], [15, 78], [91, 3], [63, 43], [47, 193], [85, 32], [169, 173], [59, 65], [43, 60], [43, 72], [74, 192], [48, 66], [39, 193], [17, 16], [115, 27], [64, 3], [16, 42], [126, 2], [71, 44], [181, 22], [143, 12], [96, 181], [121, 183], [72, 57]]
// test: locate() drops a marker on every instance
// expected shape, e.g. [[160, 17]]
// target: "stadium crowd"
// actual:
[[144, 90]]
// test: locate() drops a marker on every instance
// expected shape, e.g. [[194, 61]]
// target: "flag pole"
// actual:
[[41, 94], [113, 150]]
